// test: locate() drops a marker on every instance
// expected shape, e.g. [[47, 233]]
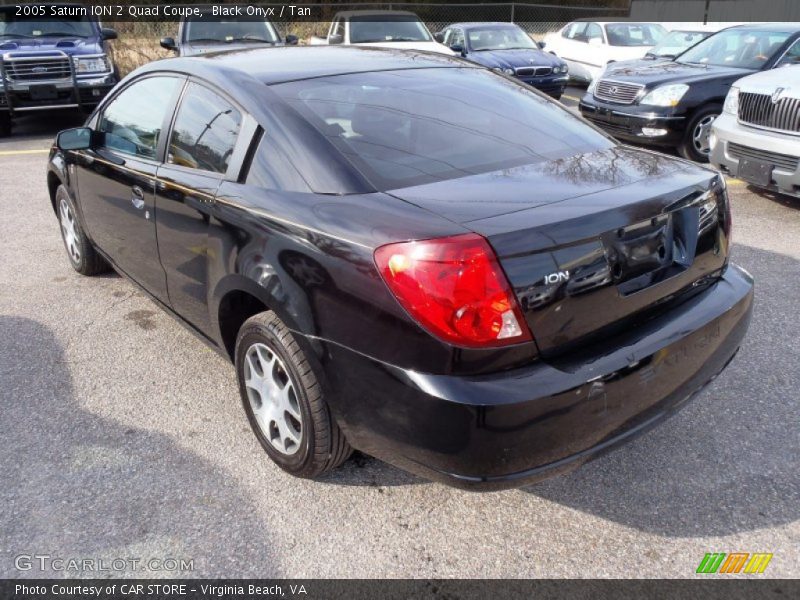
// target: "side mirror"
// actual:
[[78, 138], [291, 40], [439, 37], [457, 48], [107, 33], [168, 43], [336, 39], [595, 42], [541, 45]]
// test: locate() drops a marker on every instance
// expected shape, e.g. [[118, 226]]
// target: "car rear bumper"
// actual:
[[630, 123], [523, 425], [781, 151]]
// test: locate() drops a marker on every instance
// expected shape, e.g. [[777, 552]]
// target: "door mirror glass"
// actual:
[[107, 33], [168, 43], [291, 40], [336, 38], [439, 37], [79, 138]]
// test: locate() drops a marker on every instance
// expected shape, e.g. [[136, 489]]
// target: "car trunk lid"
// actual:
[[594, 242]]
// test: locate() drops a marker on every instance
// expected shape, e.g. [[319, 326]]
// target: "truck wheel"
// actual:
[[284, 401], [695, 145], [5, 124], [80, 251]]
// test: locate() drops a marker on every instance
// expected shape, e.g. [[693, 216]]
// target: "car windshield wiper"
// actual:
[[15, 35], [62, 34], [251, 39]]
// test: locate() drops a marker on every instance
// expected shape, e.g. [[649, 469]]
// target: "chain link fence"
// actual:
[[138, 41]]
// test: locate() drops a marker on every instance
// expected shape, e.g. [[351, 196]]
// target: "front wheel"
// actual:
[[81, 253], [696, 144], [284, 401]]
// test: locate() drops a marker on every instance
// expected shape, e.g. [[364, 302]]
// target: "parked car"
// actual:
[[506, 48], [756, 136], [674, 103], [51, 63], [355, 229], [381, 28], [588, 46], [198, 34]]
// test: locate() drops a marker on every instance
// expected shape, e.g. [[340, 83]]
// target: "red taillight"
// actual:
[[455, 288]]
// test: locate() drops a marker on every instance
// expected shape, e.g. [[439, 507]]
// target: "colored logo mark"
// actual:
[[735, 562]]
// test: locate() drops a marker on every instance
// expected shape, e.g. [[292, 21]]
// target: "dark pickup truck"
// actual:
[[51, 57]]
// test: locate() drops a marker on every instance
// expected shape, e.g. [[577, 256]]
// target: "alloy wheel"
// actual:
[[273, 400], [68, 230], [701, 134]]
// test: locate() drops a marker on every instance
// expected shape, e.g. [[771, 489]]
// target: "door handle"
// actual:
[[137, 197]]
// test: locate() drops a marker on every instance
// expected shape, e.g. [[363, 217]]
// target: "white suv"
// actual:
[[757, 136]]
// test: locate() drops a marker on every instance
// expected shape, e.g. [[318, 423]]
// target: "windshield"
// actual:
[[390, 28], [12, 26], [208, 28], [634, 34], [498, 38], [403, 128], [677, 41], [741, 48]]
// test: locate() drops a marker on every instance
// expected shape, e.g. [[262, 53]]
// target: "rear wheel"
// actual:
[[5, 124], [696, 139], [80, 251], [283, 400]]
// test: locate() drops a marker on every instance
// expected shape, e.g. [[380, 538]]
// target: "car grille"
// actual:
[[613, 91], [761, 111], [39, 69], [612, 128], [534, 71], [782, 161]]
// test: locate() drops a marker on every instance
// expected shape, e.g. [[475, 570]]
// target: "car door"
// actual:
[[117, 179], [201, 149]]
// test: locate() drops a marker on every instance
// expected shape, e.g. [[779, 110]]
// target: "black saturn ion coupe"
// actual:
[[408, 254]]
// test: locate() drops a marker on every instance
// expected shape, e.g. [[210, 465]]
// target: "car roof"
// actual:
[[374, 13], [476, 25], [781, 27], [292, 63]]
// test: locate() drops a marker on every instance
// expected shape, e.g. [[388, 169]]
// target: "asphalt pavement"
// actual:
[[122, 435]]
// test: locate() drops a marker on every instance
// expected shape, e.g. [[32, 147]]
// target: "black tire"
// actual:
[[689, 147], [322, 446], [88, 261], [5, 124]]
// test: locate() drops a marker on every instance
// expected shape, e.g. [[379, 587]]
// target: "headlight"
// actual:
[[565, 68], [91, 64], [731, 105], [508, 71], [665, 95]]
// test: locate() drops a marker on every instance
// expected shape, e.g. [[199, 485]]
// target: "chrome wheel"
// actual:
[[273, 399], [68, 230], [701, 133]]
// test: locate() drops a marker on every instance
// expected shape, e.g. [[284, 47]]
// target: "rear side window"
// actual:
[[271, 170], [132, 121], [205, 131], [402, 128]]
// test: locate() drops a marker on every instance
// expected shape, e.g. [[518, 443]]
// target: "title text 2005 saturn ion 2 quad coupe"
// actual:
[[408, 254]]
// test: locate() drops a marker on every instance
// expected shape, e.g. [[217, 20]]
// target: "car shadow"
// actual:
[[782, 199], [730, 461], [43, 125], [77, 485]]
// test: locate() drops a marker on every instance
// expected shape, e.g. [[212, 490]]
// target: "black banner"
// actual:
[[313, 589]]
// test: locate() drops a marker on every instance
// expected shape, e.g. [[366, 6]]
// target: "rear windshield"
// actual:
[[403, 128], [398, 28], [634, 34], [12, 26]]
